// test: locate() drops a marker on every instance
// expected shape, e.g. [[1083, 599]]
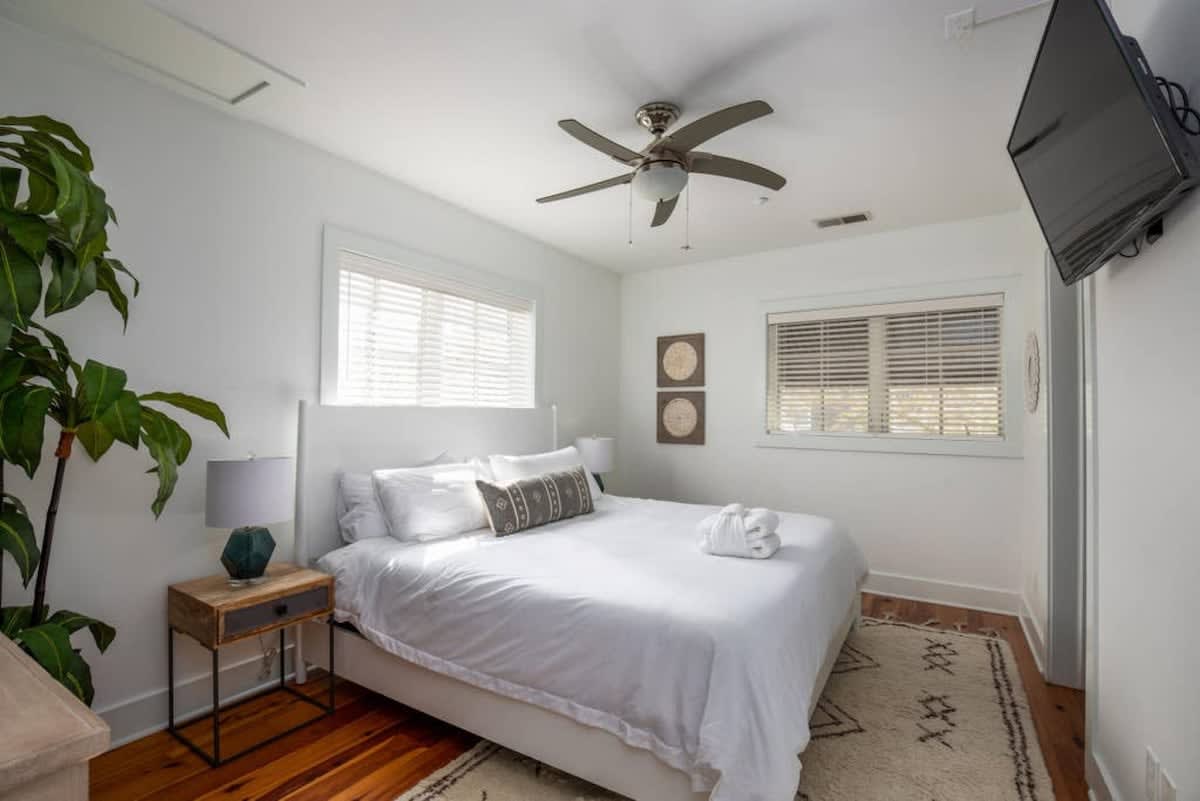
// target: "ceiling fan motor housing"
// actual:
[[657, 117]]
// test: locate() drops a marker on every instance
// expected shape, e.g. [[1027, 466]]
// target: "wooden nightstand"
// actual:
[[215, 614]]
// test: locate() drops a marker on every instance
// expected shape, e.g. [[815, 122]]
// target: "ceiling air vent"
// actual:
[[147, 40], [848, 219]]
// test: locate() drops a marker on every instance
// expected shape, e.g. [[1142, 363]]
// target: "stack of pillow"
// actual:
[[447, 496]]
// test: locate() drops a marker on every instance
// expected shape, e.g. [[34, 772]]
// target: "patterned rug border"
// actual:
[[429, 788]]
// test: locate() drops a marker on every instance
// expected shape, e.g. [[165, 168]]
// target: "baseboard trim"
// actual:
[[1099, 780], [970, 596], [1033, 635], [145, 714]]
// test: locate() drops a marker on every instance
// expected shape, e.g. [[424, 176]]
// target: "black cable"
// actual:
[[1181, 106]]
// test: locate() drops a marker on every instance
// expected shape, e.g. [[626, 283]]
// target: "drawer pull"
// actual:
[[280, 610]]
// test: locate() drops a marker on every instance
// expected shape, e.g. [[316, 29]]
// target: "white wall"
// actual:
[[1148, 386], [222, 221], [1034, 529], [953, 520]]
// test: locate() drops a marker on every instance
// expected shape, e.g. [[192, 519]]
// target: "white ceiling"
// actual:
[[875, 109]]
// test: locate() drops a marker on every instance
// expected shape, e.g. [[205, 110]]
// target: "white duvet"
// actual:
[[617, 620]]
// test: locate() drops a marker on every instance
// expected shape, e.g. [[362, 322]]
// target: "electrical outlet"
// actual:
[[960, 24], [1166, 787], [1152, 775]]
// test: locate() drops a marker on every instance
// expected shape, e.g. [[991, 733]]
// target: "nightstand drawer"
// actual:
[[248, 619]]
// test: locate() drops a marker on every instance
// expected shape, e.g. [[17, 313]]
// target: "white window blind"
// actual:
[[411, 338], [920, 369]]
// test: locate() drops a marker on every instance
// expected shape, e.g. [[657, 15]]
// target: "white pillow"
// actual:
[[359, 515], [512, 468], [428, 503]]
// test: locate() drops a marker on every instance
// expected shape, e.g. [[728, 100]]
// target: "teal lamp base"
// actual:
[[246, 555]]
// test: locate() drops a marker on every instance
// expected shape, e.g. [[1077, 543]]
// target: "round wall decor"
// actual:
[[681, 360], [681, 418], [1033, 372]]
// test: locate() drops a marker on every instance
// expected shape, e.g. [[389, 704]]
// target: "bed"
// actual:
[[607, 645]]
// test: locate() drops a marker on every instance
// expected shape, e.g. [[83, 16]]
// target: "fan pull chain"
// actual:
[[687, 219], [630, 216]]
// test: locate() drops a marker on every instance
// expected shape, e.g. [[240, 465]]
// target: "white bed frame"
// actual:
[[335, 438]]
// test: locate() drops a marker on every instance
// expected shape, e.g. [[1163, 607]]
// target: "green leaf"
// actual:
[[102, 633], [120, 267], [190, 403], [13, 619], [12, 371], [79, 678], [20, 282], [99, 388], [95, 438], [120, 421], [61, 353], [58, 129], [70, 284], [22, 425], [106, 282], [29, 231], [10, 186], [43, 193], [124, 419], [40, 361], [50, 645], [169, 446], [17, 538], [6, 330], [81, 205]]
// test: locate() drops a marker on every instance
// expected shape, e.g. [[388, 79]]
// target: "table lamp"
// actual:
[[245, 495], [597, 453]]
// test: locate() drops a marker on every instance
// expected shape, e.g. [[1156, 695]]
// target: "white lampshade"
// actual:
[[250, 492], [597, 453], [660, 180]]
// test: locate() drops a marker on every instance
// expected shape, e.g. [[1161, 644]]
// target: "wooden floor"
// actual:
[[373, 749]]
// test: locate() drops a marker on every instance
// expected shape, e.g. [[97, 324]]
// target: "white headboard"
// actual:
[[365, 438]]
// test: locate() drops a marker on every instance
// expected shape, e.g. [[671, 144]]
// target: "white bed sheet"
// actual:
[[617, 620]]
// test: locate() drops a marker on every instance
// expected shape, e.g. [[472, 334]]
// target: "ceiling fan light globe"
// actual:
[[660, 180]]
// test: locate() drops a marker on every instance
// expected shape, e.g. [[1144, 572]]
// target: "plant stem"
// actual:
[[63, 453], [1, 552]]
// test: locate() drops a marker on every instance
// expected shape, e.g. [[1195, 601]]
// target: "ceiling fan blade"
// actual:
[[662, 212], [605, 145], [708, 164], [583, 190], [697, 133]]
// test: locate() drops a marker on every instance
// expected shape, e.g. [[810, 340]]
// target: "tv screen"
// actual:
[[1089, 143]]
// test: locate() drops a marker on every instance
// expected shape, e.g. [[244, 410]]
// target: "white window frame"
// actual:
[[1010, 446], [336, 240]]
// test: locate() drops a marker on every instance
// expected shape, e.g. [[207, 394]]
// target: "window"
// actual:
[[408, 337], [928, 369]]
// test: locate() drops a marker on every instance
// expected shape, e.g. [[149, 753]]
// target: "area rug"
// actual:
[[911, 713]]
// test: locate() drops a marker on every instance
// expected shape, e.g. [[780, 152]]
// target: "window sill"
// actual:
[[993, 449]]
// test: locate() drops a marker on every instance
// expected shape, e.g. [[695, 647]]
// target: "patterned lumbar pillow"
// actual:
[[517, 505]]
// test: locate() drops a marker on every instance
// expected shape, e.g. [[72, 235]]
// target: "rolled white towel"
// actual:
[[762, 548], [724, 531], [760, 523]]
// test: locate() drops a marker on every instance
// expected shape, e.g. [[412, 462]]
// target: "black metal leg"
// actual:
[[332, 681], [170, 679], [216, 687], [214, 759]]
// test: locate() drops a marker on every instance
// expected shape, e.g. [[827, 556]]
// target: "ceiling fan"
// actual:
[[661, 169]]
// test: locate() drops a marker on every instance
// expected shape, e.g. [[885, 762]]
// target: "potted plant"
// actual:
[[53, 256]]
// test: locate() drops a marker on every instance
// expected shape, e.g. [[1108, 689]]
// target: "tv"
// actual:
[[1098, 149]]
